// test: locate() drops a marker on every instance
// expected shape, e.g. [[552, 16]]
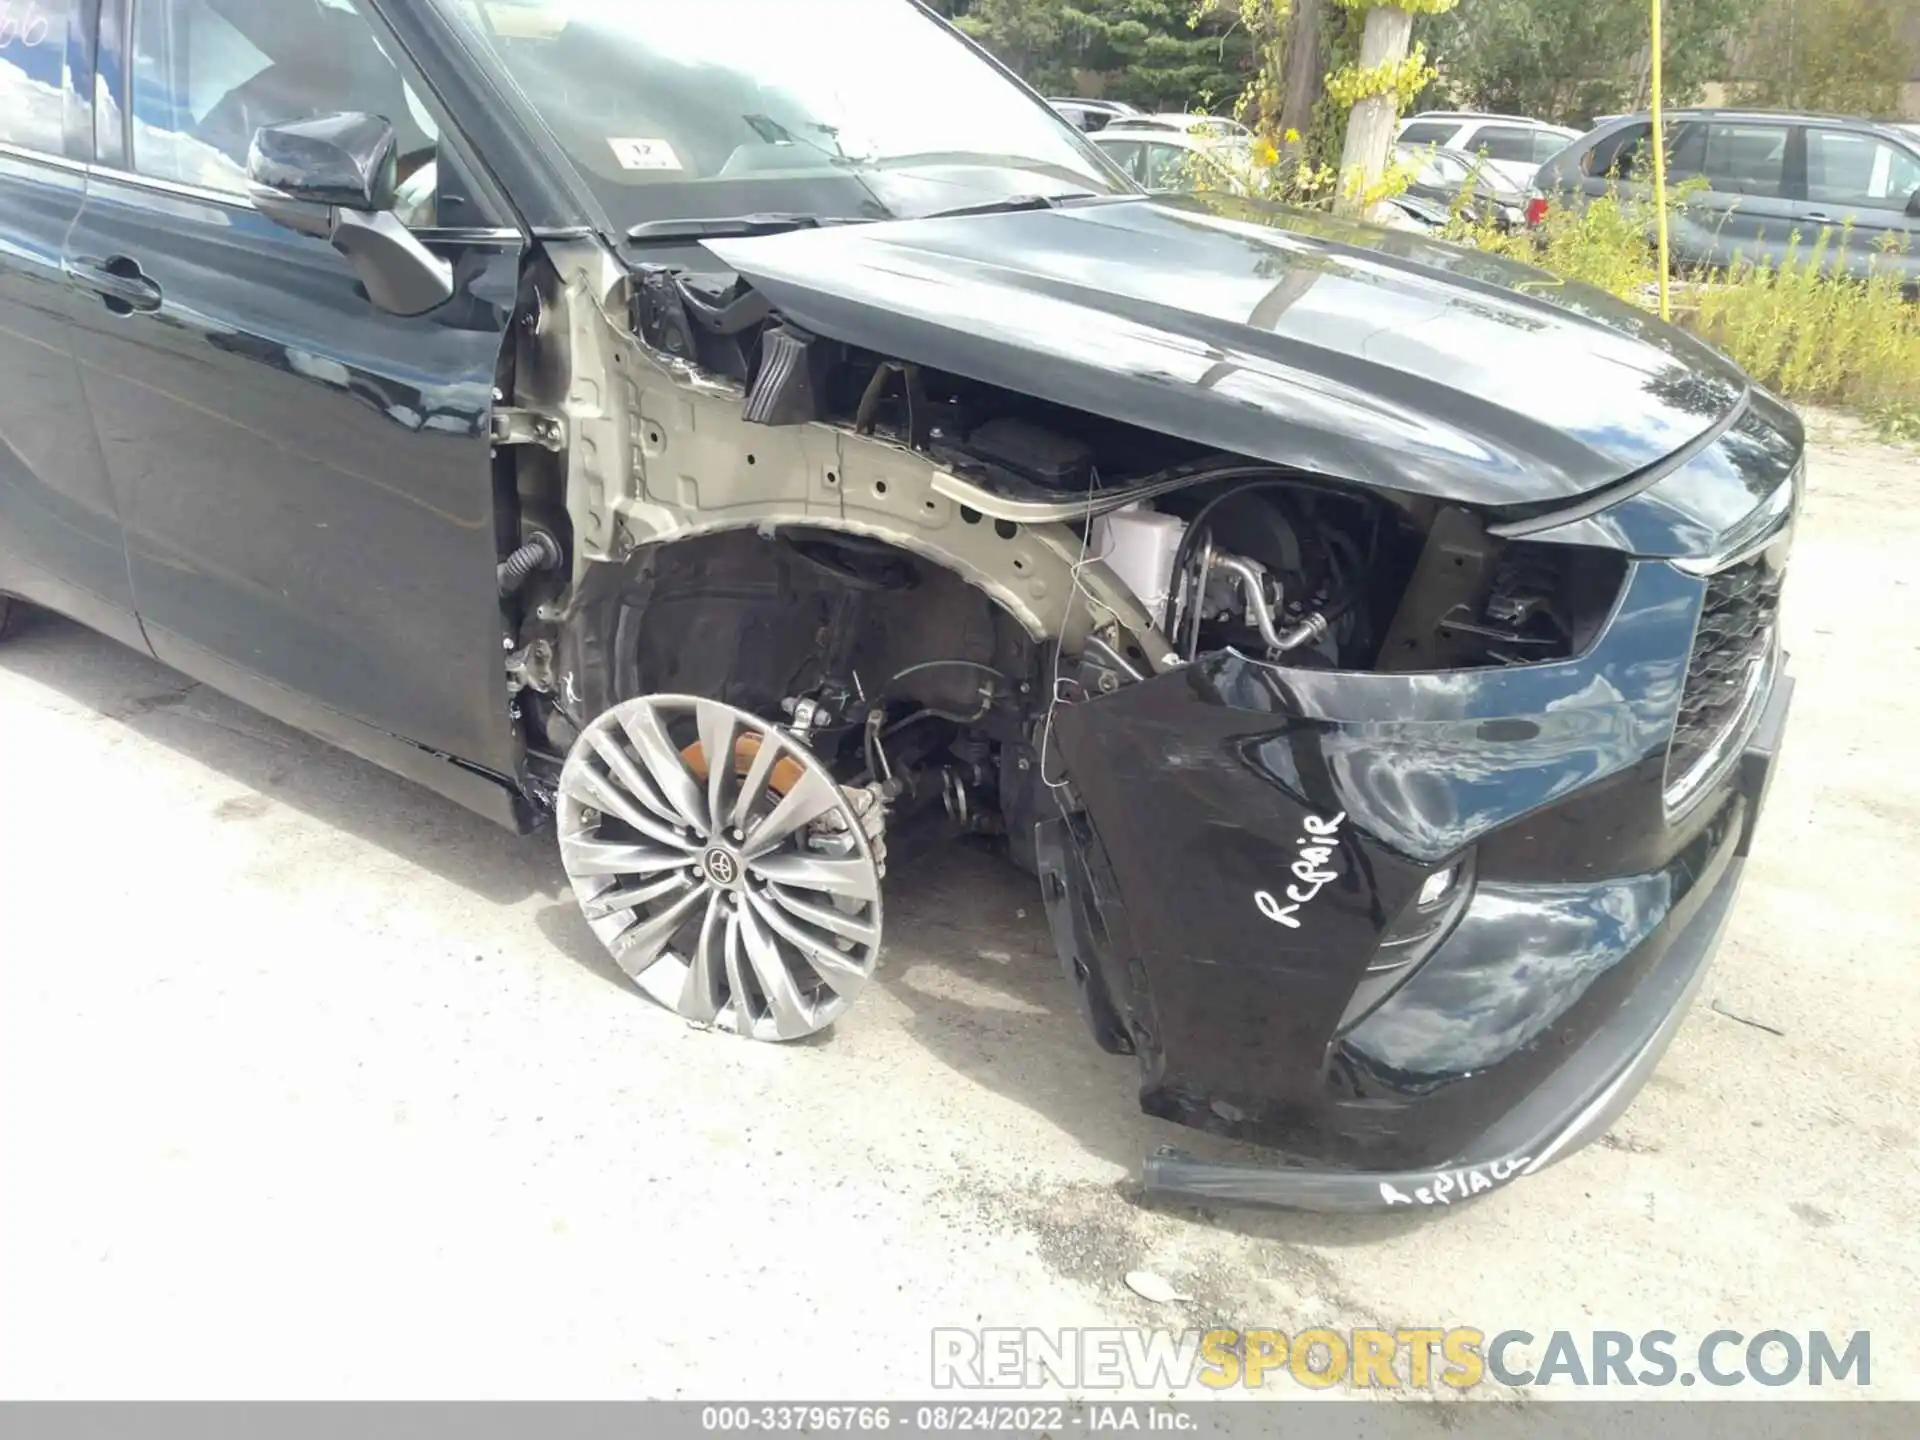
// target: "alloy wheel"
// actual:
[[742, 894]]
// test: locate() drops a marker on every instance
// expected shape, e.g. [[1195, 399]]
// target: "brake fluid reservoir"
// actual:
[[1139, 546]]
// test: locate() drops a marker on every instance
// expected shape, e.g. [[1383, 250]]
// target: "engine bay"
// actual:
[[982, 557]]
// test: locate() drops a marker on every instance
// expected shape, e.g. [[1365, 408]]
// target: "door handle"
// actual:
[[1819, 217], [118, 281]]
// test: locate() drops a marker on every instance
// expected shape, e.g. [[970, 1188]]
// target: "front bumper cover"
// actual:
[[1530, 1027], [1592, 1088]]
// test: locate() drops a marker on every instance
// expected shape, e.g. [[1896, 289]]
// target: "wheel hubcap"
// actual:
[[722, 867], [689, 831]]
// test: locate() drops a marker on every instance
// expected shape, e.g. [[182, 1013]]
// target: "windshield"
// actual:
[[864, 109], [1435, 166]]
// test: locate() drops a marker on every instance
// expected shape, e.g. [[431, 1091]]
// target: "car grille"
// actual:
[[1731, 650]]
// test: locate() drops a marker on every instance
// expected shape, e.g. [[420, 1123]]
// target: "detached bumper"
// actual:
[[1578, 1103], [1530, 1024]]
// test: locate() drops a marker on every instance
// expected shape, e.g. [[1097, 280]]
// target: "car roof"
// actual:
[[1487, 115], [1141, 135], [1175, 120], [1724, 112]]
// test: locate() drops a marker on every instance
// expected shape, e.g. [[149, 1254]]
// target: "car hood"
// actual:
[[1370, 355]]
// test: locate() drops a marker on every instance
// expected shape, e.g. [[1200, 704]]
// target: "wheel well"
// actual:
[[753, 616], [887, 648]]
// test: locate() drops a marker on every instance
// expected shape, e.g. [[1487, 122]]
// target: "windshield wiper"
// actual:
[[1020, 202], [703, 227], [775, 222]]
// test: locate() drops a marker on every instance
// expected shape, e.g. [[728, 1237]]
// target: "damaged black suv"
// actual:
[[760, 443]]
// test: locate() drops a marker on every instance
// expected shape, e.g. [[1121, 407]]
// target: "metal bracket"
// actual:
[[528, 427], [531, 669]]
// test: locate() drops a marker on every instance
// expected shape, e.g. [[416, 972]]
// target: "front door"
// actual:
[[60, 537], [1862, 186], [304, 479], [1748, 210]]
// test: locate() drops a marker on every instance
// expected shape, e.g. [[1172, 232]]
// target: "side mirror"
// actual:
[[333, 177], [1913, 205]]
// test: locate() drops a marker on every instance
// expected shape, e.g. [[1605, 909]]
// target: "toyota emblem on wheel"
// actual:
[[720, 866]]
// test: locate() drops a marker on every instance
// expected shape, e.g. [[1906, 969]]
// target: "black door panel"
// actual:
[[305, 480], [56, 510], [59, 535]]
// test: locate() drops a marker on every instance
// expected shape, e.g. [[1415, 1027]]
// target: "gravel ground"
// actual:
[[312, 1084]]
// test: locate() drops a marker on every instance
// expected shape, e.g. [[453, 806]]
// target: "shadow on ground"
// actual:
[[968, 953]]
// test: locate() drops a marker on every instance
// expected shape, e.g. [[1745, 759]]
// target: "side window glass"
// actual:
[[1126, 156], [1686, 156], [1502, 142], [1546, 145], [33, 49], [1746, 159], [1621, 156], [208, 73], [1849, 169], [1427, 132], [1167, 168], [1434, 169]]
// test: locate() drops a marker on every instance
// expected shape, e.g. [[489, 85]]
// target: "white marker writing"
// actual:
[[1310, 872], [1446, 1186]]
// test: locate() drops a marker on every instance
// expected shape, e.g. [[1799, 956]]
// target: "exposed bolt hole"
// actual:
[[932, 506], [749, 459], [1005, 529], [1019, 564], [1459, 560], [970, 515], [879, 487], [832, 478]]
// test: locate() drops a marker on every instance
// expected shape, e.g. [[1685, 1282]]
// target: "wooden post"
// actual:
[[1370, 127]]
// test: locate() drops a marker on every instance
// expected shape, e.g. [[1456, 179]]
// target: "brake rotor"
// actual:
[[742, 896], [784, 776]]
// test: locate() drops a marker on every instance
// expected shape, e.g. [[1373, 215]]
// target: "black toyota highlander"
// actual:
[[764, 443]]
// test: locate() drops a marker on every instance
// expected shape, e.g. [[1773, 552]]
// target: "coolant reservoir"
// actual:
[[1139, 546]]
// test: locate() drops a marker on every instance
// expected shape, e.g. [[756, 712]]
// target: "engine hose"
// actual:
[[541, 552]]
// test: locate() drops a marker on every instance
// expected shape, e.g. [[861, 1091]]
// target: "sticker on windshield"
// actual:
[[644, 154]]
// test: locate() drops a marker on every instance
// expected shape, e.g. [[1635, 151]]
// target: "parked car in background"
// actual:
[[1760, 178], [1090, 115], [1170, 161], [1512, 146], [1215, 127], [1177, 160], [1442, 177]]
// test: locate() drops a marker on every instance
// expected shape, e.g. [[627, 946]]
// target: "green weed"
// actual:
[[1795, 325]]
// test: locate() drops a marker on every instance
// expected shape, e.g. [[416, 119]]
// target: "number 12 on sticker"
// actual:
[[643, 154]]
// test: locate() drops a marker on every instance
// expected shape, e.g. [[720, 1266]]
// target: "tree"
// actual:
[[1027, 36], [1156, 53], [1849, 56], [1574, 60], [1304, 51], [1160, 53]]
